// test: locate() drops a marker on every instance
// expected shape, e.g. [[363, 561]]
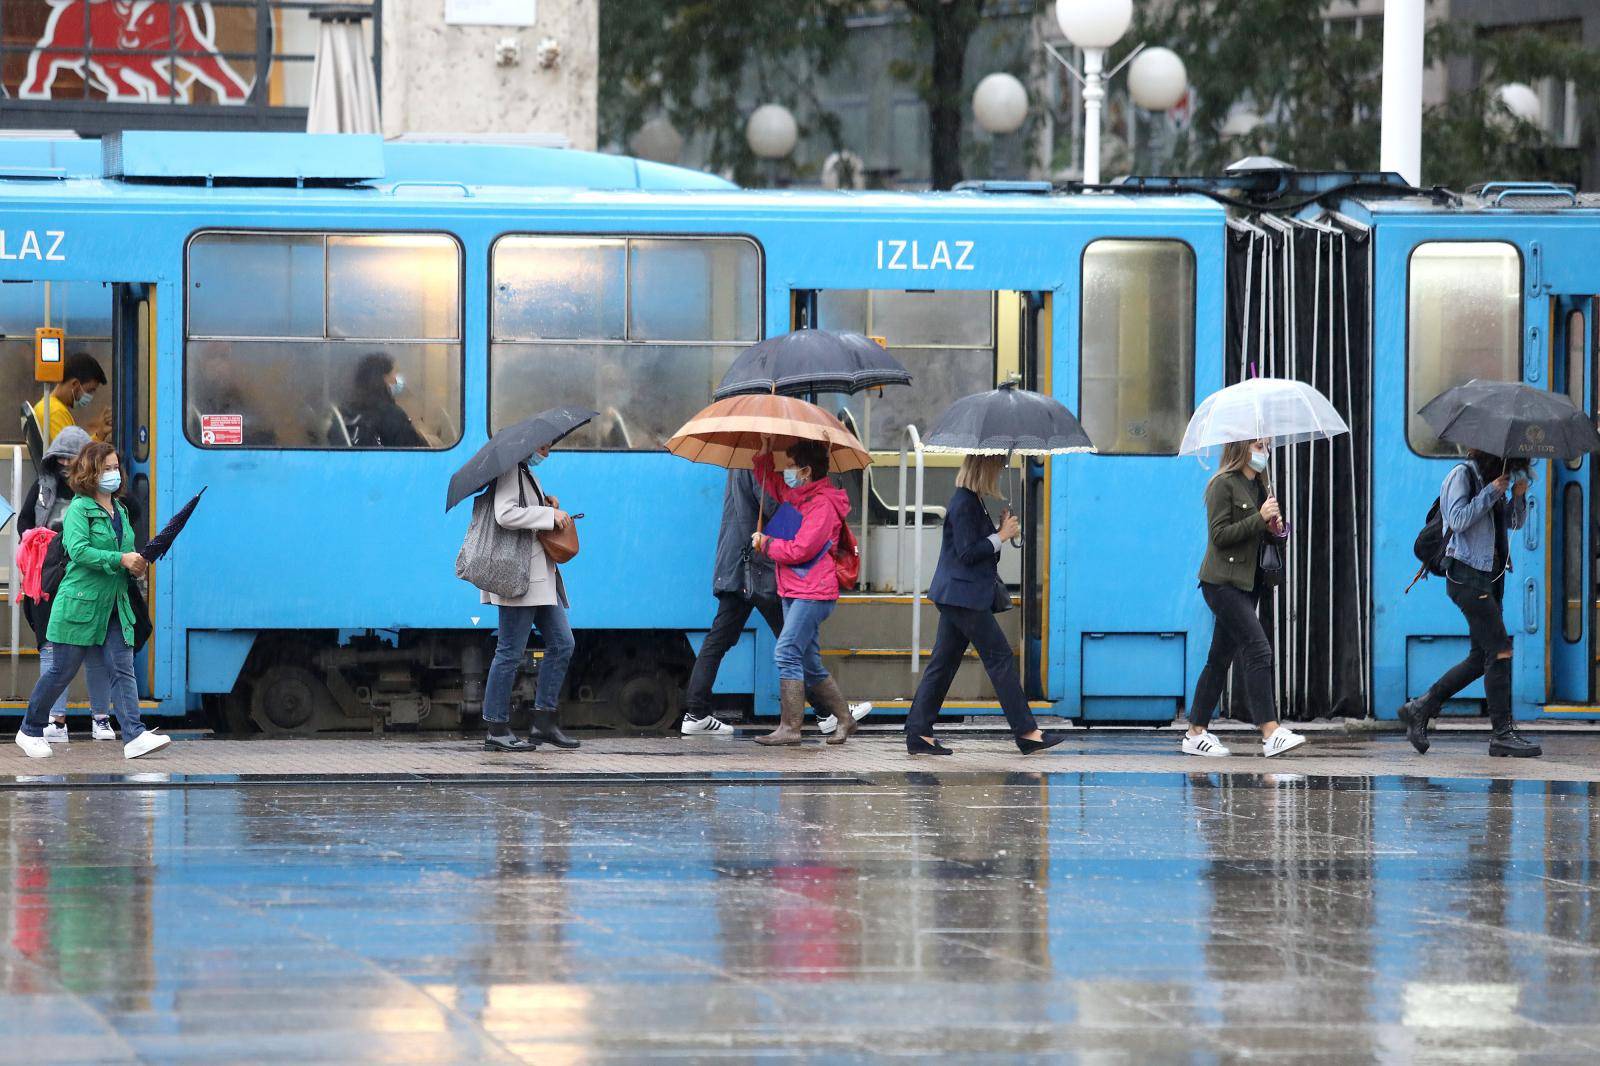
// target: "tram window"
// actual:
[[639, 329], [1572, 562], [946, 339], [1575, 340], [1137, 389], [303, 356], [1464, 321], [83, 309]]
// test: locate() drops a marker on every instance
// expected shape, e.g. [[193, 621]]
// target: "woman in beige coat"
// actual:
[[520, 502]]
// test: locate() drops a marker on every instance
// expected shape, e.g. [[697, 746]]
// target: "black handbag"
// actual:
[[141, 614], [1002, 597], [747, 574], [1270, 564]]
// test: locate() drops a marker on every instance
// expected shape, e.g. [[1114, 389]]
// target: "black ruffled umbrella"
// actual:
[[811, 361], [511, 446], [159, 544], [1511, 420], [1008, 421]]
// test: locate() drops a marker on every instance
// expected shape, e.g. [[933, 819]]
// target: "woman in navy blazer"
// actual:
[[967, 590]]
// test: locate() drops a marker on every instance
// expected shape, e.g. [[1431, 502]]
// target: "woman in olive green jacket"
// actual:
[[92, 614], [1240, 512]]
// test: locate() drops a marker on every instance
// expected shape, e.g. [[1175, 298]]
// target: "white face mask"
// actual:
[[1258, 461]]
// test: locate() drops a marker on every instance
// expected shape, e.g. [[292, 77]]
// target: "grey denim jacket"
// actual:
[[1469, 519]]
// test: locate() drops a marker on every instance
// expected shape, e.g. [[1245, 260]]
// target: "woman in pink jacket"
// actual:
[[808, 585]]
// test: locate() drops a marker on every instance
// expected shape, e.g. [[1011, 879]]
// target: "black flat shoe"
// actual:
[[507, 742], [1047, 739], [915, 745]]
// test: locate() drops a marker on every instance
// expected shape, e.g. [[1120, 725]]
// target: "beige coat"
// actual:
[[545, 586]]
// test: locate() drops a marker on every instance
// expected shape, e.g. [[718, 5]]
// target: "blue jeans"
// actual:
[[116, 660], [799, 650], [516, 625], [94, 670]]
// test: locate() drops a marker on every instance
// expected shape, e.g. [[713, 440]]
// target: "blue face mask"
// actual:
[[83, 400], [397, 386], [1258, 461], [535, 459], [791, 477], [110, 481]]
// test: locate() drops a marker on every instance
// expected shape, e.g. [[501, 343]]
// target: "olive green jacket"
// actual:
[[95, 584], [1234, 528]]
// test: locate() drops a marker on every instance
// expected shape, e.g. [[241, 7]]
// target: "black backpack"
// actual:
[[1430, 543]]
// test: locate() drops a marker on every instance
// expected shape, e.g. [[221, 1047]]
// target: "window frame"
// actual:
[[460, 341], [627, 309], [1522, 326], [1194, 332]]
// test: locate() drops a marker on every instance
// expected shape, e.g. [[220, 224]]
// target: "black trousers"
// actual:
[[1238, 633], [958, 628], [733, 611], [1478, 596]]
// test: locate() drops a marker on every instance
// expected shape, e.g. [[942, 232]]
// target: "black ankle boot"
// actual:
[[547, 729], [1507, 743], [504, 739], [1415, 714]]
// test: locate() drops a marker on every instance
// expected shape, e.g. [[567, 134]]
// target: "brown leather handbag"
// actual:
[[561, 545]]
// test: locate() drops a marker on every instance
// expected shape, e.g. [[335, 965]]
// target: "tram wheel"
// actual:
[[287, 699], [645, 702]]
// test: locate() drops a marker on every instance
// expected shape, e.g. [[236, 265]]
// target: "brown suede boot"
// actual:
[[834, 703], [792, 704]]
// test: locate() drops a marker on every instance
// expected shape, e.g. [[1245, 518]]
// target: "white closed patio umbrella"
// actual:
[[1271, 409], [344, 94]]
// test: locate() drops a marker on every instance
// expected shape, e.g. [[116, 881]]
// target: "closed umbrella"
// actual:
[[729, 433], [1512, 420], [1008, 421], [1276, 410], [812, 361], [344, 94], [511, 446], [162, 542]]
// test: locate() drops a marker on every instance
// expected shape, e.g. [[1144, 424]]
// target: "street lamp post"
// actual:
[[1094, 26]]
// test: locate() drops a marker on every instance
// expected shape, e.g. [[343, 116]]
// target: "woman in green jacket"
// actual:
[[92, 614], [1240, 511]]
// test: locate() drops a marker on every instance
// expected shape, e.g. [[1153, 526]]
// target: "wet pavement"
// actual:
[[1029, 915]]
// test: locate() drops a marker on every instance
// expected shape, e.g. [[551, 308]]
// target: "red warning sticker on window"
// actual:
[[221, 430]]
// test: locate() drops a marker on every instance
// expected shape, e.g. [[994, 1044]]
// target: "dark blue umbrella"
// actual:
[[1511, 420], [1008, 421], [511, 446], [809, 361], [161, 542]]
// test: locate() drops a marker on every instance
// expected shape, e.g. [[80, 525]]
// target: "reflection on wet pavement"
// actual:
[[1104, 917]]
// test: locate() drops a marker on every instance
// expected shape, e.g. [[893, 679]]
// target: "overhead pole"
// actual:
[[1400, 143]]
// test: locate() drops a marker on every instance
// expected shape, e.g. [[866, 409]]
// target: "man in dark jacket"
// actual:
[[743, 503]]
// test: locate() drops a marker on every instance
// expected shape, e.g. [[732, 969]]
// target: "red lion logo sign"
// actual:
[[127, 39]]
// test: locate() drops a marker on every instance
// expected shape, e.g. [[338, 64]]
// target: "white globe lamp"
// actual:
[[771, 131], [1157, 79], [657, 140], [1000, 104], [1094, 24], [1521, 101]]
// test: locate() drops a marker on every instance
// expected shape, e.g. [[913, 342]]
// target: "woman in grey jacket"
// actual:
[[1476, 514], [520, 502]]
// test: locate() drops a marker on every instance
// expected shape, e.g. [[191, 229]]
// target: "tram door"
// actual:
[[1571, 516]]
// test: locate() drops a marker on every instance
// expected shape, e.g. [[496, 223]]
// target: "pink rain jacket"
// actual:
[[805, 564]]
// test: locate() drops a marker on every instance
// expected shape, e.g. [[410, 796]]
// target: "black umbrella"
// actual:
[[812, 360], [511, 446], [1008, 421], [1512, 420], [161, 542]]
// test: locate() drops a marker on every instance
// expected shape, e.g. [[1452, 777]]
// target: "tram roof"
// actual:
[[191, 167]]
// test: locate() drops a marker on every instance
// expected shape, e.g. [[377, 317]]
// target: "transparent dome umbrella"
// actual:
[[1272, 409]]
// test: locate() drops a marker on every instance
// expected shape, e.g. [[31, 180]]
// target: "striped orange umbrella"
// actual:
[[729, 432]]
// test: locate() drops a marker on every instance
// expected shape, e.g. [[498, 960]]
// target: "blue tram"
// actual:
[[231, 284]]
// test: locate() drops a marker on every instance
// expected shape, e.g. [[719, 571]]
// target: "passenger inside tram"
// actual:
[[373, 417], [81, 378]]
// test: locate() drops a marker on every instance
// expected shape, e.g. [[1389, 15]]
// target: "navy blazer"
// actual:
[[969, 567]]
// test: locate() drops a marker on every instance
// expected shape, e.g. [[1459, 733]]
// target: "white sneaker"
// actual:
[[101, 730], [858, 711], [34, 747], [1204, 743], [55, 733], [709, 726], [144, 744], [1283, 739]]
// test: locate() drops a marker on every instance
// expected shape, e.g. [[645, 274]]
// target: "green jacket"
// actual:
[[95, 583], [1234, 528]]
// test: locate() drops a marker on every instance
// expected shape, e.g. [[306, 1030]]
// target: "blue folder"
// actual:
[[784, 523]]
